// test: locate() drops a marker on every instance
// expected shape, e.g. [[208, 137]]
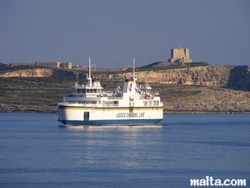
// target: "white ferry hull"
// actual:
[[77, 115]]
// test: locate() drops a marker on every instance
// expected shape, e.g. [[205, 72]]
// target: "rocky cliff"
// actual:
[[35, 72], [234, 77], [205, 76]]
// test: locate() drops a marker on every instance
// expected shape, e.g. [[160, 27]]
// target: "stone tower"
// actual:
[[180, 55]]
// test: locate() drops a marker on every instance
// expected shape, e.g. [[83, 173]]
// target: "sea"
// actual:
[[36, 151]]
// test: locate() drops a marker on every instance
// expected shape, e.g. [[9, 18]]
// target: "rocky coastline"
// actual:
[[201, 89], [176, 99]]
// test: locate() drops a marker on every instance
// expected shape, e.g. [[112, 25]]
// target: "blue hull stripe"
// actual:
[[111, 122]]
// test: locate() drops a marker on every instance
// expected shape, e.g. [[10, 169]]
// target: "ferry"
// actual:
[[90, 104]]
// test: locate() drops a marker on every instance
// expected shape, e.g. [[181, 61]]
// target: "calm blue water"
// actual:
[[36, 152]]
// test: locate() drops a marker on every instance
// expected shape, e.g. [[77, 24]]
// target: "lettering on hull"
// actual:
[[130, 115]]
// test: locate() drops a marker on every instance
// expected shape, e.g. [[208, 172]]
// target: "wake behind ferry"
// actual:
[[90, 104]]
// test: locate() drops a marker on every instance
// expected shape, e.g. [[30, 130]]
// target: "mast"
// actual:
[[134, 69], [89, 78]]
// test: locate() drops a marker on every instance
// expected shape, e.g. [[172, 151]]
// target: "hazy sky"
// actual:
[[113, 32]]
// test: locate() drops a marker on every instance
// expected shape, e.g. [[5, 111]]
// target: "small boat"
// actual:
[[90, 104]]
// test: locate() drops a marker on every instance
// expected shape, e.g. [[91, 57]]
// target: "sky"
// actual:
[[113, 32]]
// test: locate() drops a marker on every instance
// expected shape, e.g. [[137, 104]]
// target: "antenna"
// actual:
[[134, 69], [89, 67], [89, 78]]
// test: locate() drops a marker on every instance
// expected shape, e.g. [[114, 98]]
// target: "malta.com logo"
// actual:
[[210, 181]]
